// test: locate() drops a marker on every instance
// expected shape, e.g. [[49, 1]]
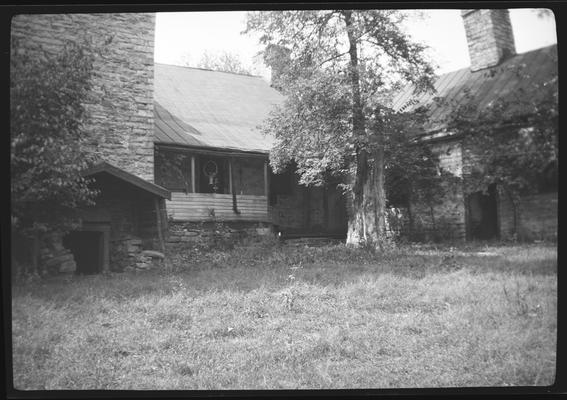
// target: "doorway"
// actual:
[[87, 248], [482, 221]]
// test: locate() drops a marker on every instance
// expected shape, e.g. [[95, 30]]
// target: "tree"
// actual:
[[224, 62], [47, 93], [330, 65], [412, 171]]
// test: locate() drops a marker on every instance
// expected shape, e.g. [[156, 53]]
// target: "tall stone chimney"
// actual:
[[121, 105], [489, 36], [277, 58]]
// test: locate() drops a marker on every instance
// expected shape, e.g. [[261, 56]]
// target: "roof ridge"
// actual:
[[209, 70], [508, 59], [484, 86]]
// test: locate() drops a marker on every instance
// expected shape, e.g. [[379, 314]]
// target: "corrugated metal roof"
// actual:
[[484, 86], [197, 107]]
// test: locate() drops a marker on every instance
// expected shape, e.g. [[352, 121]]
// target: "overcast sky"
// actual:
[[184, 36]]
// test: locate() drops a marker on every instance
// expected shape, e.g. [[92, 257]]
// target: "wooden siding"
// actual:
[[197, 207]]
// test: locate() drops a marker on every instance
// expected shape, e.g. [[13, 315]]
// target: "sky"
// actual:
[[181, 38]]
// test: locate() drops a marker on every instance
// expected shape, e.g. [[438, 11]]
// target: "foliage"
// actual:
[[331, 65], [413, 174], [515, 139], [312, 128], [224, 62], [412, 169], [309, 52], [47, 136]]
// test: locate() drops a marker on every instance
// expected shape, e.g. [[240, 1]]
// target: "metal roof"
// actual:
[[106, 167], [211, 109], [505, 81]]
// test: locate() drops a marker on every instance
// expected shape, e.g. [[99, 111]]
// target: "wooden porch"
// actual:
[[205, 206], [214, 185]]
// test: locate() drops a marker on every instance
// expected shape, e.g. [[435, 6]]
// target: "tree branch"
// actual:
[[333, 58]]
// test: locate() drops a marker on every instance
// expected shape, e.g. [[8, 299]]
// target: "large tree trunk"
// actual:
[[366, 224]]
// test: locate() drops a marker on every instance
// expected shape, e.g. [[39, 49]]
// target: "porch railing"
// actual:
[[203, 206]]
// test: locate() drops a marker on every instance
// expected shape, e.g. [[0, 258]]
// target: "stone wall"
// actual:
[[471, 160], [444, 220], [215, 233], [450, 156], [121, 107], [450, 213], [55, 258], [536, 217]]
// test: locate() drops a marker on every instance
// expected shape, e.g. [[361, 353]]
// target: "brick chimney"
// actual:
[[489, 36]]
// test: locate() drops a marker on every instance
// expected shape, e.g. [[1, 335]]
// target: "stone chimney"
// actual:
[[121, 103], [489, 36], [277, 58]]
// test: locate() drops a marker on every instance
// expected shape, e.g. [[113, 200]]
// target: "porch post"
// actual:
[[159, 224], [266, 186], [106, 249], [326, 206], [193, 173], [266, 178], [230, 176]]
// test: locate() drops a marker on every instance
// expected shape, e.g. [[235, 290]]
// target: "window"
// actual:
[[173, 171], [211, 174]]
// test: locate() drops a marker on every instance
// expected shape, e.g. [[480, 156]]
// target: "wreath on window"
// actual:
[[211, 170]]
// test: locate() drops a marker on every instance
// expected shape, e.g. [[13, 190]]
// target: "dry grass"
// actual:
[[273, 318]]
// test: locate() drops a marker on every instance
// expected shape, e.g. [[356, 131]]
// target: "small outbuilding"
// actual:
[[128, 217]]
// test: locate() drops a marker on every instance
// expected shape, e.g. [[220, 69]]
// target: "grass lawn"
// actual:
[[309, 318]]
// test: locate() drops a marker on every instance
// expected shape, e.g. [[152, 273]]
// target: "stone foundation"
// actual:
[[55, 262], [126, 254], [211, 233]]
